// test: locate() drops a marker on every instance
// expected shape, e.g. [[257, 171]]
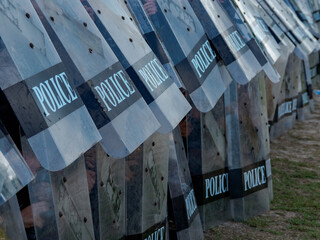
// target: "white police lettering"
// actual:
[[55, 93], [191, 204], [235, 41], [157, 235], [153, 74], [217, 185], [203, 58], [294, 104], [112, 92], [284, 108], [254, 178]]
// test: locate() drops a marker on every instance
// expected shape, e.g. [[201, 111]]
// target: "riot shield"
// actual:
[[206, 149], [106, 181], [235, 53], [146, 189], [248, 149], [190, 50], [183, 213], [153, 40], [157, 88], [11, 224], [315, 7], [104, 86], [259, 29], [14, 172], [243, 29], [38, 88], [60, 200]]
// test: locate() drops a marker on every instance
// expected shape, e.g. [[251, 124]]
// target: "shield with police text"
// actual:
[[244, 30], [237, 56], [146, 189], [204, 134], [190, 50], [40, 90], [122, 117], [153, 40], [248, 148], [183, 212], [14, 172], [145, 69], [11, 223]]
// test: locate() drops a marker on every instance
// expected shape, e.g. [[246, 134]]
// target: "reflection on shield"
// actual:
[[146, 189], [189, 49], [38, 88], [104, 86], [183, 213], [60, 200], [235, 53], [254, 46], [248, 148], [11, 224], [145, 69], [204, 134]]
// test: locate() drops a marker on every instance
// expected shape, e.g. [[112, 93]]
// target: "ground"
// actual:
[[295, 210]]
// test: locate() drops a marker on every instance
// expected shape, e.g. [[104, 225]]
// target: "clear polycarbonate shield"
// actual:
[[206, 150], [259, 29], [153, 40], [11, 223], [315, 7], [189, 49], [182, 205], [247, 148], [145, 69], [60, 200], [106, 181], [306, 42], [103, 84], [38, 88], [146, 189], [244, 30], [235, 53], [14, 172]]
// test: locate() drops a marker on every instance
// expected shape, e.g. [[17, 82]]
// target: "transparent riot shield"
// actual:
[[104, 86], [183, 213], [157, 88], [244, 30], [14, 172], [259, 29], [38, 88], [189, 49], [153, 40], [146, 190], [11, 224], [315, 7], [248, 149], [314, 64], [235, 53], [60, 200], [204, 134], [106, 181]]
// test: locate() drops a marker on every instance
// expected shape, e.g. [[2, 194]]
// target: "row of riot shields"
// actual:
[[146, 119]]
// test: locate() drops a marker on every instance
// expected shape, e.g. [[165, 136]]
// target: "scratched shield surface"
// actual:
[[237, 56], [153, 40], [248, 148], [11, 223], [122, 117], [247, 35], [205, 137], [14, 171], [146, 189], [145, 69], [183, 212], [189, 49], [38, 88], [106, 181]]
